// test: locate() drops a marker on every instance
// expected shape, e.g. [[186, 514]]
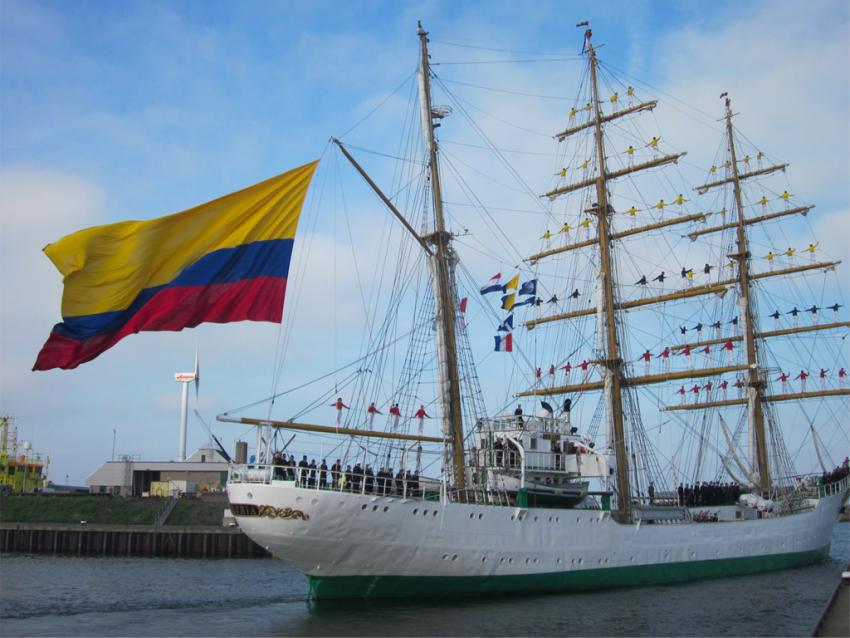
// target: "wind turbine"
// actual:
[[186, 378]]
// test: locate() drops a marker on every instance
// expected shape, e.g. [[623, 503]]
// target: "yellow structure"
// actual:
[[21, 470]]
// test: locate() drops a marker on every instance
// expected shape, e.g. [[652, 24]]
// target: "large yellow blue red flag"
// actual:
[[226, 260]]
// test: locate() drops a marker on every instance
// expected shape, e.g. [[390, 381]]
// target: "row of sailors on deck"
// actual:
[[837, 474], [351, 479], [704, 493]]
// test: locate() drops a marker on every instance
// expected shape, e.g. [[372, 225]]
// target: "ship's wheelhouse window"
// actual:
[[532, 443]]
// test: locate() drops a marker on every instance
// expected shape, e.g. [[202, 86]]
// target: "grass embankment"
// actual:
[[107, 510], [198, 511]]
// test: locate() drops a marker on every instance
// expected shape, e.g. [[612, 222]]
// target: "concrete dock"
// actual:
[[835, 620]]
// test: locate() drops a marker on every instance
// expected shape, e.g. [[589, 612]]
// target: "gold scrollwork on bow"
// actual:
[[285, 513]]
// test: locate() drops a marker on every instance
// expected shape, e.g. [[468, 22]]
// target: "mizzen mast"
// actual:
[[442, 264], [612, 364], [755, 386]]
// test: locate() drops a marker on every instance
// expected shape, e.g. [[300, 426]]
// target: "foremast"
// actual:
[[612, 363], [755, 385], [442, 262]]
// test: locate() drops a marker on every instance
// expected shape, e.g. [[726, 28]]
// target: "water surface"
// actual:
[[63, 596]]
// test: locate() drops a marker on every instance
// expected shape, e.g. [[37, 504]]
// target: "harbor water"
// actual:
[[62, 596]]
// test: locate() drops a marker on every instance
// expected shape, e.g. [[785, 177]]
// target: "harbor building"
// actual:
[[203, 471]]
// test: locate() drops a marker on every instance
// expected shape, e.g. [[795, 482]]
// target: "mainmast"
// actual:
[[755, 413], [612, 362], [442, 268]]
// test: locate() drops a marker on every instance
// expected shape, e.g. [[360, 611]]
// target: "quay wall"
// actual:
[[128, 540]]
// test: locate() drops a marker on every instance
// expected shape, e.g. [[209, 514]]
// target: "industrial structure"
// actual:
[[203, 471], [21, 469]]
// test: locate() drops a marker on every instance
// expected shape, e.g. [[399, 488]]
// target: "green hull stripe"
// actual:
[[396, 586]]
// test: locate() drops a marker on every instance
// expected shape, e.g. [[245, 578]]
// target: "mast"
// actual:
[[442, 263], [612, 363], [755, 413]]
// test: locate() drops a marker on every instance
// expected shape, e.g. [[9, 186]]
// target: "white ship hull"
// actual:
[[364, 545]]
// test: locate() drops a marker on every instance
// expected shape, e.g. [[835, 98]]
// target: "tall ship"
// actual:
[[652, 354]]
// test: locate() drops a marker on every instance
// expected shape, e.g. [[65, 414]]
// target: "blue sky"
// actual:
[[113, 111]]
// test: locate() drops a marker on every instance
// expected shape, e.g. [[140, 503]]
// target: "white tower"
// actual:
[[186, 378]]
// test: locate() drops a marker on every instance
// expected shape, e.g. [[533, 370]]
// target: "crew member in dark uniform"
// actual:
[[303, 467], [323, 475]]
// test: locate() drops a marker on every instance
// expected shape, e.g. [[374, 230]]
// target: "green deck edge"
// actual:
[[321, 587]]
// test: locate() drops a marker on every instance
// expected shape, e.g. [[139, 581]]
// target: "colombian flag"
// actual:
[[226, 260]]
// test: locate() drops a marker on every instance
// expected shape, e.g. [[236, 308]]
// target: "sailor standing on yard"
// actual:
[[372, 411], [395, 414], [802, 377], [421, 415], [339, 405]]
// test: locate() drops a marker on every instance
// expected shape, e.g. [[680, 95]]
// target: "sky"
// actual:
[[134, 110]]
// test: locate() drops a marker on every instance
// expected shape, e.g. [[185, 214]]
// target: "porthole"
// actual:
[[298, 499], [364, 506], [454, 556], [536, 560], [527, 561], [315, 501], [386, 509], [580, 561], [471, 515], [558, 560], [535, 519], [578, 519], [445, 557], [512, 517], [480, 516], [483, 559], [424, 512], [510, 560], [415, 511], [434, 513], [374, 508], [501, 560]]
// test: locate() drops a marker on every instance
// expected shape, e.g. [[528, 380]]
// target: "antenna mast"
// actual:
[[612, 362], [755, 413], [442, 264]]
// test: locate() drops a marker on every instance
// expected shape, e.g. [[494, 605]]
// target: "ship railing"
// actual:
[[352, 483], [816, 486], [521, 422], [480, 496]]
